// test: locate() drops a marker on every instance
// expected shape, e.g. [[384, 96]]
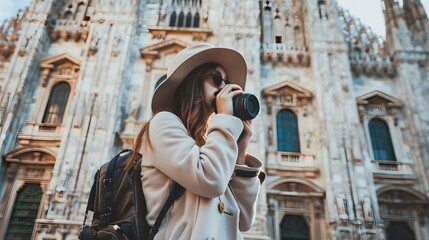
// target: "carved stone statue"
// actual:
[[93, 47], [367, 207], [134, 106], [341, 202]]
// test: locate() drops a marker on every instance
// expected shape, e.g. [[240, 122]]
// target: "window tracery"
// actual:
[[184, 13]]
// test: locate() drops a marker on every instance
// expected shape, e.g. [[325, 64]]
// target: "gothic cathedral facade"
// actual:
[[343, 129]]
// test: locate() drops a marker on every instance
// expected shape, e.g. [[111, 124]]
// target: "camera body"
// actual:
[[246, 106]]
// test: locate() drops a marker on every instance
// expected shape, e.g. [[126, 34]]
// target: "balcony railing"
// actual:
[[290, 157], [48, 127], [392, 167], [295, 159], [47, 131], [283, 48], [282, 52], [292, 161]]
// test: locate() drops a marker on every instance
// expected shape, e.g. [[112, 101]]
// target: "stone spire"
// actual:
[[406, 26], [417, 23]]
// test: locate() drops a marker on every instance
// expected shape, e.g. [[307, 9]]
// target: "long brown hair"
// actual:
[[190, 103], [189, 106]]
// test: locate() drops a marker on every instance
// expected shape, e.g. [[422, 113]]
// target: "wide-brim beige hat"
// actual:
[[188, 59]]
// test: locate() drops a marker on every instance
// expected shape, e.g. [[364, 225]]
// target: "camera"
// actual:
[[245, 105]]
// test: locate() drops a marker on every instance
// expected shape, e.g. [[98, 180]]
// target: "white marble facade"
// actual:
[[77, 77]]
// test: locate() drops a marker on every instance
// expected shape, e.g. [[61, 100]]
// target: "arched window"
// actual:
[[181, 20], [381, 140], [287, 132], [68, 15], [188, 20], [185, 13], [294, 228], [57, 103], [196, 20], [24, 212], [399, 231], [173, 19]]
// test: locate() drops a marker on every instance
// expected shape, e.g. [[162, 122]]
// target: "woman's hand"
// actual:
[[224, 98], [243, 141]]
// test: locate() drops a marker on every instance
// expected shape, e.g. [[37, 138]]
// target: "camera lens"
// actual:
[[245, 106], [252, 106]]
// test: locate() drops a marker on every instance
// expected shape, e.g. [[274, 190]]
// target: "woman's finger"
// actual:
[[225, 96], [229, 88]]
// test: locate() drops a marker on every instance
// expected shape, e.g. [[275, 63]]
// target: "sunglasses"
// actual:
[[217, 79]]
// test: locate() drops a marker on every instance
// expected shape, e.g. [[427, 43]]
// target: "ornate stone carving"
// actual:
[[341, 203], [152, 52], [80, 111], [309, 139], [63, 66], [287, 94], [9, 34], [133, 112], [28, 41], [377, 103], [93, 46], [367, 54], [198, 34], [284, 34], [103, 114], [367, 208], [116, 46]]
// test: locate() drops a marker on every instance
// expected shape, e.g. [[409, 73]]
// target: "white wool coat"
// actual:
[[207, 174]]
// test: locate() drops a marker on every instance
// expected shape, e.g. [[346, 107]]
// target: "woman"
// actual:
[[204, 152]]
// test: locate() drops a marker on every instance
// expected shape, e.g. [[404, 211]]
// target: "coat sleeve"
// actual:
[[204, 170], [246, 190]]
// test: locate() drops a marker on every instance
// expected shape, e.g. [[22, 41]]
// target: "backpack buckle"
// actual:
[[107, 211], [107, 182]]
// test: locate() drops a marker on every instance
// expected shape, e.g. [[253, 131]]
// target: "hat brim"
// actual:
[[232, 61]]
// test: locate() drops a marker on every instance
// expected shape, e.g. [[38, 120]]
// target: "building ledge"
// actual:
[[308, 171], [280, 52], [198, 34]]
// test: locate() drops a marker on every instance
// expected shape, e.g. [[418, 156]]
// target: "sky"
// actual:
[[9, 8], [368, 11]]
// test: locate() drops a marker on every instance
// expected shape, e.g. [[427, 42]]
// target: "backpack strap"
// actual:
[[107, 202], [141, 210], [139, 199], [175, 193], [91, 198]]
